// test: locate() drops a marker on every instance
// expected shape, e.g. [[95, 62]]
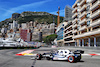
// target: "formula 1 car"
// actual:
[[62, 55]]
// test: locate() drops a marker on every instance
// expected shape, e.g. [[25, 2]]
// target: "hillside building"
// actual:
[[36, 29]]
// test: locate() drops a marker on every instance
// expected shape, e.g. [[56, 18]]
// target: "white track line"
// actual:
[[90, 54]]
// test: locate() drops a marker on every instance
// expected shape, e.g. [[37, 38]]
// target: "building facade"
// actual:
[[60, 33], [38, 28], [68, 13], [86, 23], [25, 34], [68, 34]]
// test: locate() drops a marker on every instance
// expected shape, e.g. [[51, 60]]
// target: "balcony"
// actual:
[[75, 4], [83, 8], [75, 14], [74, 31], [94, 23], [68, 32], [92, 1], [69, 41], [74, 25], [74, 20], [83, 21], [82, 28], [82, 2], [84, 13], [74, 10], [96, 13], [95, 5], [68, 36], [88, 34], [68, 28]]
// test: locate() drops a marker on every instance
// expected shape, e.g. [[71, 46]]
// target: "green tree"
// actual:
[[50, 38]]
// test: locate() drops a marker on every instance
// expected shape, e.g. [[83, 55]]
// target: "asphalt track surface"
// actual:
[[9, 59]]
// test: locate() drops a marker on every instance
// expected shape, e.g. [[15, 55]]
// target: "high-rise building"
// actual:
[[86, 15], [68, 13]]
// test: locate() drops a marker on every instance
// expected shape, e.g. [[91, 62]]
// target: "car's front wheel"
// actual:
[[38, 56], [48, 58], [71, 59]]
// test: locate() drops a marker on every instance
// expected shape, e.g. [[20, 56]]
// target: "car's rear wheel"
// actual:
[[71, 59], [78, 60]]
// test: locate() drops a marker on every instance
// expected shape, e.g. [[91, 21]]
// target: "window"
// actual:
[[88, 7], [79, 32], [88, 23], [78, 15], [78, 21], [88, 1], [78, 3], [89, 29], [75, 34], [88, 15], [78, 10], [78, 27]]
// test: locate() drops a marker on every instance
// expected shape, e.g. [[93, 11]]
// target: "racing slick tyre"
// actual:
[[48, 58], [71, 59], [78, 59], [38, 56]]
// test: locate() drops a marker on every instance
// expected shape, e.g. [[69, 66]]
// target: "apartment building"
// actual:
[[86, 23], [68, 34]]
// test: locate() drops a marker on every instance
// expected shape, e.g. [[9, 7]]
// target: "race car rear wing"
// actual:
[[78, 52]]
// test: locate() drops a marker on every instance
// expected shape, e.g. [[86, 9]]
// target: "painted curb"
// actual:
[[26, 53], [90, 54]]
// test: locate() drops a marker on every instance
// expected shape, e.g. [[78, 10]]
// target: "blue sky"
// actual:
[[7, 7]]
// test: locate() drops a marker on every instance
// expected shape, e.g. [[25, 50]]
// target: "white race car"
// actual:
[[62, 55]]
